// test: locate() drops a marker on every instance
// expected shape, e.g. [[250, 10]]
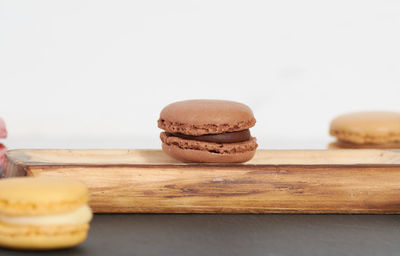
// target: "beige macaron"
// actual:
[[367, 129]]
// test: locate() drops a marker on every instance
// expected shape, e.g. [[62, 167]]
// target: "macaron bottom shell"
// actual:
[[22, 237], [364, 138], [202, 156]]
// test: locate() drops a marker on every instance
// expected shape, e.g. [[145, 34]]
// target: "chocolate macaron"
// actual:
[[213, 131]]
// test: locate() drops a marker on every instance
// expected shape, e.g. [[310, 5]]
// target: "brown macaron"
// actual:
[[213, 131], [379, 129]]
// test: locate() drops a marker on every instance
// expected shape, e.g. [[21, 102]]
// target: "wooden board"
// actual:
[[280, 181]]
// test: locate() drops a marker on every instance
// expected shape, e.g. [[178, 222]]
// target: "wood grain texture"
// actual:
[[299, 181]]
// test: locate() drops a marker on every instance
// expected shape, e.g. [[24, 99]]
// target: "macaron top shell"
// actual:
[[32, 196], [199, 117], [367, 127]]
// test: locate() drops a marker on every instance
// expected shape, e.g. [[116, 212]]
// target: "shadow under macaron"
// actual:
[[78, 250]]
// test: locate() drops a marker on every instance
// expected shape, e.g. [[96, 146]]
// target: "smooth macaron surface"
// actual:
[[377, 127], [41, 213], [215, 131]]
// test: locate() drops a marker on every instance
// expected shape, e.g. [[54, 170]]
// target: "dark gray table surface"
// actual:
[[271, 235]]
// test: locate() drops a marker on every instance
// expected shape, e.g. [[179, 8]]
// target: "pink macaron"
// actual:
[[3, 134]]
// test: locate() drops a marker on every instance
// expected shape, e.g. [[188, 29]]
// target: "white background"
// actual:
[[97, 73]]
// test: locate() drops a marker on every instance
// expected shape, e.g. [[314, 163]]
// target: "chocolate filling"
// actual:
[[227, 137]]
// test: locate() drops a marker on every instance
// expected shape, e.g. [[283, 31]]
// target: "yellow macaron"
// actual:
[[43, 213], [378, 129]]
